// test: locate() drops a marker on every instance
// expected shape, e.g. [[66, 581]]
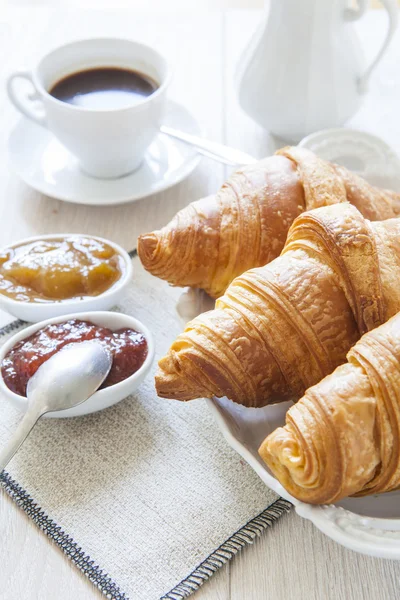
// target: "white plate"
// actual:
[[369, 525], [45, 165]]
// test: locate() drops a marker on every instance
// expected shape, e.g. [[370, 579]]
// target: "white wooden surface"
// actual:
[[292, 560]]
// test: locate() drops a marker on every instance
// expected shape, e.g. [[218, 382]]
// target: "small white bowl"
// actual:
[[34, 311], [361, 152], [103, 398]]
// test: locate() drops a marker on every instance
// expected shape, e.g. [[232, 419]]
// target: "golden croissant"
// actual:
[[281, 328], [213, 240], [343, 437]]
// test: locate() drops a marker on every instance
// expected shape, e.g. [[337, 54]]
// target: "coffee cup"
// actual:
[[108, 142]]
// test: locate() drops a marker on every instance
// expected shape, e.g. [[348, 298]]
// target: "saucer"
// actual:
[[45, 165]]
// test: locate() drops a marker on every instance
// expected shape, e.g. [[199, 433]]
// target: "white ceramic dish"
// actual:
[[45, 164], [103, 398], [34, 312], [369, 525], [359, 151]]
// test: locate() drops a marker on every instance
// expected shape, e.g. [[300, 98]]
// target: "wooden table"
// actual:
[[293, 559]]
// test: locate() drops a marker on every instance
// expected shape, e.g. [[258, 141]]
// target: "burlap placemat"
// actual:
[[146, 498]]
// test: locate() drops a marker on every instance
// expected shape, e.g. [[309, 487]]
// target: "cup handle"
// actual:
[[26, 106]]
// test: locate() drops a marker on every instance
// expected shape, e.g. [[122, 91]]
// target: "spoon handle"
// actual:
[[220, 152], [24, 428]]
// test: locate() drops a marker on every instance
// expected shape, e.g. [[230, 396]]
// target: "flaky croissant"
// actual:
[[281, 328], [213, 240], [343, 437]]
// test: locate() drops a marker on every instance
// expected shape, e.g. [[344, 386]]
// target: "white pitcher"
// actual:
[[304, 69]]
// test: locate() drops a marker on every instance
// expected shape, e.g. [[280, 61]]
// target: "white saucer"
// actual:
[[45, 165]]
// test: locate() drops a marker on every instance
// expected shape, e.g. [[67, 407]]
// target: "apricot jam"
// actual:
[[55, 270], [128, 347]]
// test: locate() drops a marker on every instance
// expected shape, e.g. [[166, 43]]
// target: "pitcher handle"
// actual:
[[351, 14]]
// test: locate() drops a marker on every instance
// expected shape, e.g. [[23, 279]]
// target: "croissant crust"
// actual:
[[343, 437], [215, 239], [283, 327]]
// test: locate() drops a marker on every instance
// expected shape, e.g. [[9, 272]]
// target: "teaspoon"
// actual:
[[67, 379], [220, 152]]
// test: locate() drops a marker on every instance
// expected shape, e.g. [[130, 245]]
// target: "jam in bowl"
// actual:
[[56, 275], [129, 341]]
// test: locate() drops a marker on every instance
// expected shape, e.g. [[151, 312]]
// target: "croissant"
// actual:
[[283, 327], [213, 240], [343, 437]]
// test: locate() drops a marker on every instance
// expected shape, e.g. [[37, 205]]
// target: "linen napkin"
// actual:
[[146, 497]]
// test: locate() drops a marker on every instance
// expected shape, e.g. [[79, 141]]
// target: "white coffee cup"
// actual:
[[108, 143]]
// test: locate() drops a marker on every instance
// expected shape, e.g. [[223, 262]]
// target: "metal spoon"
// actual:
[[67, 379], [220, 152]]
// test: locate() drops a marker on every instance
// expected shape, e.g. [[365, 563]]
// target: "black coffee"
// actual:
[[104, 88]]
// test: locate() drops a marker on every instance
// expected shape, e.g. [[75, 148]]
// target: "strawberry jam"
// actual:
[[128, 347]]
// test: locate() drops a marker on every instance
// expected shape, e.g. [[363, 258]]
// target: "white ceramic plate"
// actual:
[[103, 398], [369, 525], [34, 311], [45, 165]]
